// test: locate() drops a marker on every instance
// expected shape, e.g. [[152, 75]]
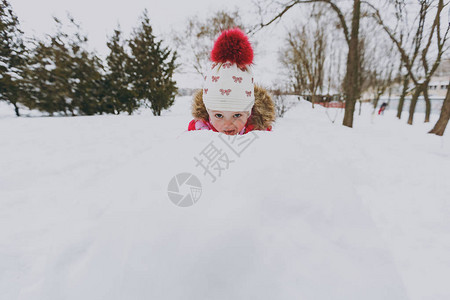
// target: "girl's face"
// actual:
[[228, 122]]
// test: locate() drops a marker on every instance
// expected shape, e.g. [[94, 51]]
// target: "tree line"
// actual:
[[58, 75], [387, 42]]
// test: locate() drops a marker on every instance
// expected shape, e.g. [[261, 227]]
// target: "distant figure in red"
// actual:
[[382, 108]]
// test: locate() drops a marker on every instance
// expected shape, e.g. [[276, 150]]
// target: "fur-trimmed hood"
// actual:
[[263, 112]]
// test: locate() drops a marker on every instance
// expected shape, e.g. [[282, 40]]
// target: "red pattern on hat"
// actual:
[[237, 79], [225, 92]]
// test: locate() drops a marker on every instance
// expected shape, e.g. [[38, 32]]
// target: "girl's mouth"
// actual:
[[229, 132]]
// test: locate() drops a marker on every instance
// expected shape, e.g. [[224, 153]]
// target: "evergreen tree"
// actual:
[[63, 76], [151, 67], [118, 95], [49, 76], [84, 72], [47, 93], [12, 57], [86, 79]]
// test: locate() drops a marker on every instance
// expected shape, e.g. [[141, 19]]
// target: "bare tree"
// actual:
[[304, 54], [416, 45], [378, 61], [281, 100], [405, 86], [334, 66], [351, 34]]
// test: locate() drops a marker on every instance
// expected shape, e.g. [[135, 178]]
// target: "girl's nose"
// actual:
[[229, 122]]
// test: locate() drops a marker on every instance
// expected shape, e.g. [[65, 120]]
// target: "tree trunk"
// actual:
[[412, 106], [351, 85], [427, 103], [16, 109], [375, 102], [441, 124], [71, 111], [402, 96], [389, 95]]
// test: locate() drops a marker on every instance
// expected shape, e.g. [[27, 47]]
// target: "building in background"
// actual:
[[439, 82]]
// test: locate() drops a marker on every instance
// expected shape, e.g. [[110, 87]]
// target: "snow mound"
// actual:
[[312, 210]]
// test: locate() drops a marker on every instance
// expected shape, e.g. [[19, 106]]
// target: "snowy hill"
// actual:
[[312, 210]]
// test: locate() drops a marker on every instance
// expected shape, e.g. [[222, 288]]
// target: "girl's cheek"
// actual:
[[241, 121], [216, 122]]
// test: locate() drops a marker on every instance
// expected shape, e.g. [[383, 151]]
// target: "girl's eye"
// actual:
[[218, 116], [237, 115]]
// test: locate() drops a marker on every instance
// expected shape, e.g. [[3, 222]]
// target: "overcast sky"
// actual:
[[98, 19]]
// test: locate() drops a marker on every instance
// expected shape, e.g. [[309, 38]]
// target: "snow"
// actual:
[[312, 210]]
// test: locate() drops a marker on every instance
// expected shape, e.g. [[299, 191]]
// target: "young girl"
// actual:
[[229, 101]]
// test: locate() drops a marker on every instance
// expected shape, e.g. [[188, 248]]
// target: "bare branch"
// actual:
[[404, 55], [291, 4]]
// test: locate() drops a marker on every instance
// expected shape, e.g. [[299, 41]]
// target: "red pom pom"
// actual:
[[232, 45]]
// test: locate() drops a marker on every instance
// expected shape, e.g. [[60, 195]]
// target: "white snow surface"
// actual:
[[312, 210]]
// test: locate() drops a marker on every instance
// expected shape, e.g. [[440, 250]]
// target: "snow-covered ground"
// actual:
[[312, 210]]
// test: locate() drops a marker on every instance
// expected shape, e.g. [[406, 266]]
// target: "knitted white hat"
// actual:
[[228, 86]]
